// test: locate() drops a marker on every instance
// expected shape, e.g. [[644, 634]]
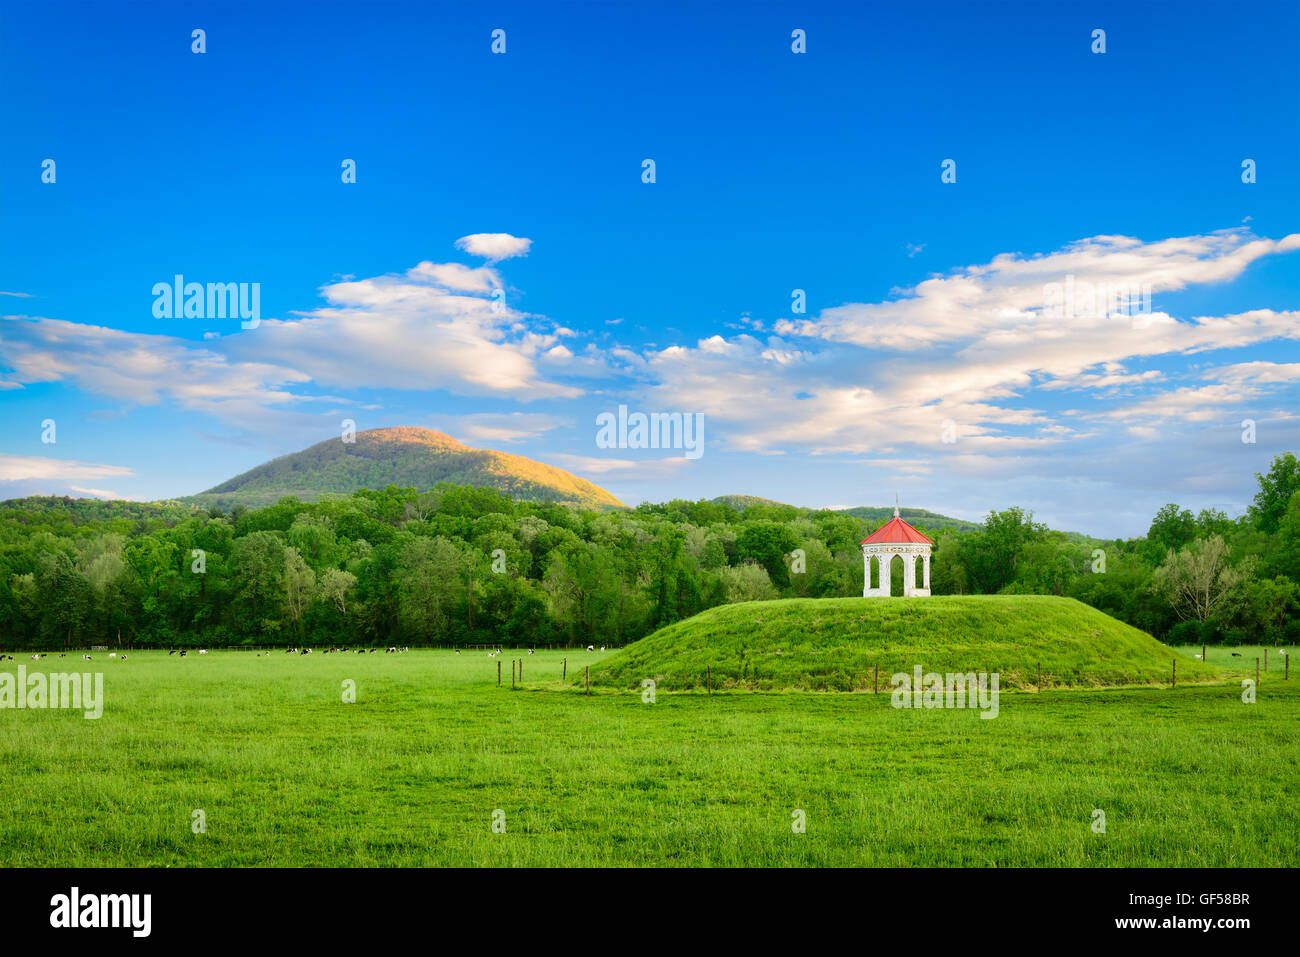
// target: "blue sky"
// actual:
[[775, 171]]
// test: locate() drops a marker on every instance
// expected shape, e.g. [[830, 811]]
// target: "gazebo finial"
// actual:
[[895, 505]]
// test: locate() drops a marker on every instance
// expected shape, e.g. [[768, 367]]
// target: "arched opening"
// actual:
[[897, 570], [920, 572], [877, 572]]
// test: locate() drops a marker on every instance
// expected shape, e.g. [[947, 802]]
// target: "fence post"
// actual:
[[1266, 659], [1203, 655], [521, 670], [498, 673], [512, 674]]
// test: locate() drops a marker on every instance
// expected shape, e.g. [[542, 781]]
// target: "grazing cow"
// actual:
[[591, 647], [202, 651], [530, 651], [86, 657], [123, 658], [36, 657], [1235, 654], [1198, 656], [172, 652]]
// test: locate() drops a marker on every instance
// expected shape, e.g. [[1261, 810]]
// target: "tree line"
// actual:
[[458, 565]]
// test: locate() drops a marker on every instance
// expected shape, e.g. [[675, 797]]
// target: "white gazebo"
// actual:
[[895, 537]]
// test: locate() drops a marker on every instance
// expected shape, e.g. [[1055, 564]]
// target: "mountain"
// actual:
[[407, 457], [878, 515]]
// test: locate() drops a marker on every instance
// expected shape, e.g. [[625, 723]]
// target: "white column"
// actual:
[[927, 571], [909, 574]]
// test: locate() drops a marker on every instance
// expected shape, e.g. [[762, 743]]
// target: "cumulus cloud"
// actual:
[[966, 354], [437, 326], [494, 247], [1005, 303]]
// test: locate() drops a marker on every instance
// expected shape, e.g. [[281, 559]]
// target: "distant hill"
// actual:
[[916, 516], [407, 457], [835, 644]]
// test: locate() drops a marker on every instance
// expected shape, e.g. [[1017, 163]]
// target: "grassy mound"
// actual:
[[835, 644]]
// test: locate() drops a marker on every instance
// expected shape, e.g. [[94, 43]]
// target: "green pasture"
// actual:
[[287, 773]]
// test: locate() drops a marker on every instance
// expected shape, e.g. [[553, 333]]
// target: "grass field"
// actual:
[[288, 774]]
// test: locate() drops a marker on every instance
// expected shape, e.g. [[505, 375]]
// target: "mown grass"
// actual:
[[287, 774], [836, 645], [1272, 660]]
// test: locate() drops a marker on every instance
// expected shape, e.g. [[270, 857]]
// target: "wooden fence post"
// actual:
[[521, 670], [512, 674], [1266, 659], [1204, 657], [498, 673], [565, 673]]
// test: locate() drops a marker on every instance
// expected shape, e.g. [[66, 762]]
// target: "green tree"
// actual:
[[259, 582], [1172, 527], [767, 543], [1275, 492]]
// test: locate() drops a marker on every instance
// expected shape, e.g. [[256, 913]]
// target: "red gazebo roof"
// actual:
[[896, 532]]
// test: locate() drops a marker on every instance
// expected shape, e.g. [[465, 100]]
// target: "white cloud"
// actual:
[[974, 348], [19, 467], [614, 468], [97, 493], [433, 327], [494, 246], [500, 426]]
